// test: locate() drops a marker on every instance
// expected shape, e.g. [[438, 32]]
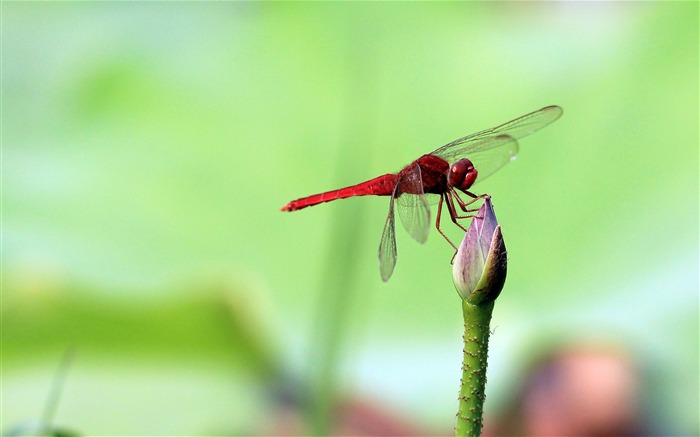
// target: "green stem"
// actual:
[[473, 385]]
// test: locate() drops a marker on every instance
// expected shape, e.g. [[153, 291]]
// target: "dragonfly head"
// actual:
[[462, 174]]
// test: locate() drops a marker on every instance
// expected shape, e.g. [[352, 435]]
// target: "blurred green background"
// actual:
[[148, 147]]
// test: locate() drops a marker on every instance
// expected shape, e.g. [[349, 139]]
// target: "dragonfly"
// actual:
[[446, 172]]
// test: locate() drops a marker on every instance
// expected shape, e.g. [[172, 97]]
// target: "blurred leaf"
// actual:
[[213, 323]]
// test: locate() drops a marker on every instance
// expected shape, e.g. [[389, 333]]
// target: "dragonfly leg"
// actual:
[[453, 216], [453, 212], [462, 204], [437, 224]]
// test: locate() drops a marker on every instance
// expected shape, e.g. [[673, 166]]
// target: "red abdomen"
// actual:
[[379, 186]]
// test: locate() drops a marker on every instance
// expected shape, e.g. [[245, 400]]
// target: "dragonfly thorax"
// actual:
[[462, 174]]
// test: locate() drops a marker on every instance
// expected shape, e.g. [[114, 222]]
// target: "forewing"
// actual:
[[492, 148], [413, 206], [491, 153], [387, 245]]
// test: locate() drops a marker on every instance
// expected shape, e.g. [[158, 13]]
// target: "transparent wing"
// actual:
[[492, 148], [387, 245], [413, 208], [515, 129]]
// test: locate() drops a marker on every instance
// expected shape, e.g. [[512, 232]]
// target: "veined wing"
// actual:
[[387, 245], [492, 148], [412, 205]]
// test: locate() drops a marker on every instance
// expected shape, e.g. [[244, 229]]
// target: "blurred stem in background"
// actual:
[[336, 290], [55, 392], [479, 273]]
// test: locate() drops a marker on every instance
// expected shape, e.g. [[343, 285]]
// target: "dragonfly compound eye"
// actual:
[[462, 174]]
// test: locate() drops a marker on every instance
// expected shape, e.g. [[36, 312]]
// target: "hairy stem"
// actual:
[[473, 384]]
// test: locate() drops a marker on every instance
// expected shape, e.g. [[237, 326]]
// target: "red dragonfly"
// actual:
[[454, 166]]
